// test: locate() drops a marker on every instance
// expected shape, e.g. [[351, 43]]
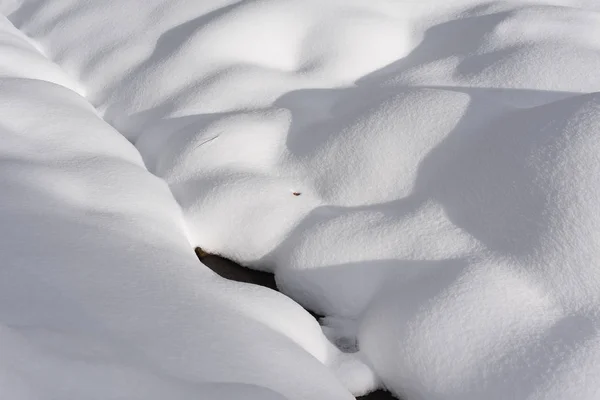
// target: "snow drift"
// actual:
[[445, 153], [101, 295]]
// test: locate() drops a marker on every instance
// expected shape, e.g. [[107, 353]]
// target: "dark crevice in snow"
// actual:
[[235, 272], [231, 270], [378, 395]]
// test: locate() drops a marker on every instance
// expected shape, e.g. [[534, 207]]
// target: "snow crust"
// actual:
[[423, 173]]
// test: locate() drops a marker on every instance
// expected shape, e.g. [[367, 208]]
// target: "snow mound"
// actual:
[[423, 172], [101, 295]]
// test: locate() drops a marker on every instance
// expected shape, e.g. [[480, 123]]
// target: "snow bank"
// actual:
[[424, 172], [101, 295]]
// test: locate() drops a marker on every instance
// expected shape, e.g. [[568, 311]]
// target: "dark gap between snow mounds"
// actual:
[[235, 272]]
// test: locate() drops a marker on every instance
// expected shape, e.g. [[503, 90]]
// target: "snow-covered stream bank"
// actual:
[[424, 173]]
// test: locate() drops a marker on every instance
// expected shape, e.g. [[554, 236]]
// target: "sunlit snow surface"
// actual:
[[424, 173]]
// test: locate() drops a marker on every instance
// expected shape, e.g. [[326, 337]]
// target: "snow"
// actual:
[[422, 173], [101, 295]]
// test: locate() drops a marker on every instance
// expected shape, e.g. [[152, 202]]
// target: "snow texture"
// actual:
[[101, 295], [423, 173]]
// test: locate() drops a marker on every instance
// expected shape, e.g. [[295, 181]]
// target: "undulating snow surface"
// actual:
[[101, 295], [424, 173]]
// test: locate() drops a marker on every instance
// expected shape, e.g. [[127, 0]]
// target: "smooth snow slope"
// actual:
[[446, 154], [101, 295]]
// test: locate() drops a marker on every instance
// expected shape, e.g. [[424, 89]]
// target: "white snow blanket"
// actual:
[[101, 295], [424, 173]]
